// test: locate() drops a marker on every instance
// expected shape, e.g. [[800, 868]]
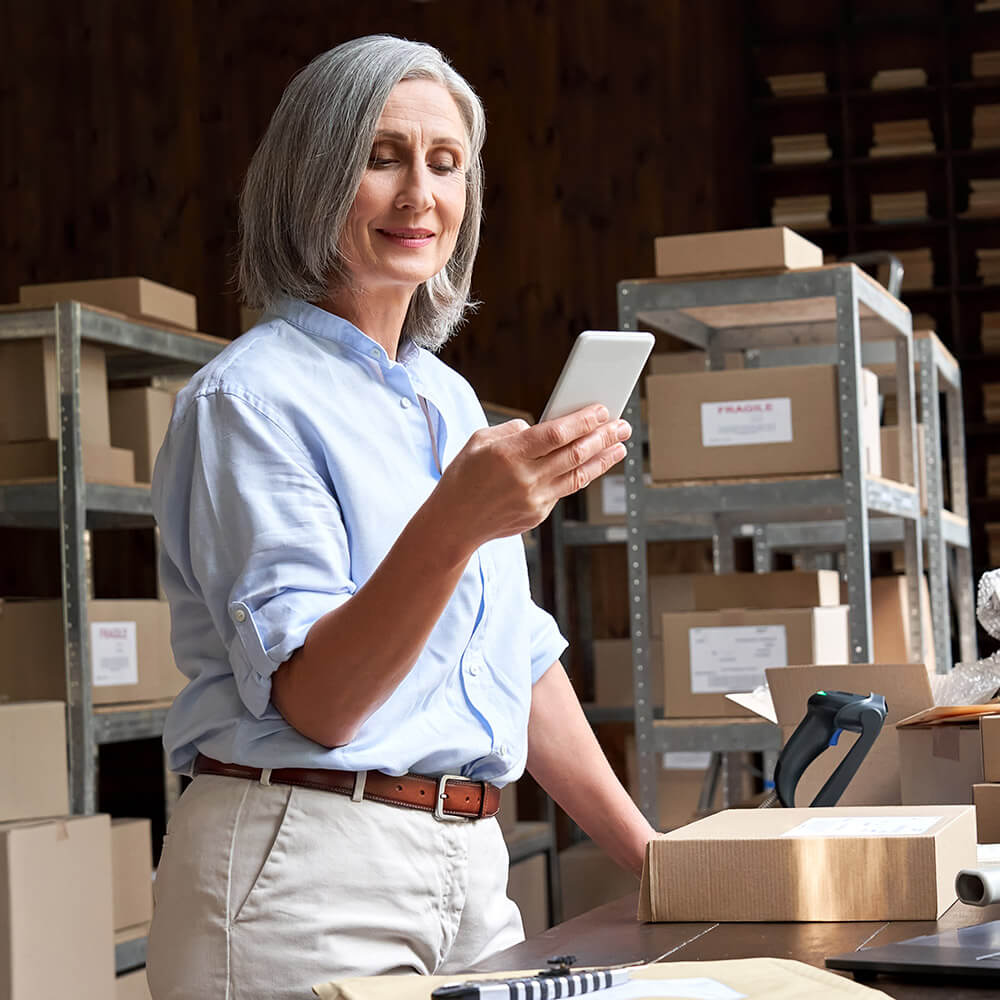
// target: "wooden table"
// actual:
[[611, 934]]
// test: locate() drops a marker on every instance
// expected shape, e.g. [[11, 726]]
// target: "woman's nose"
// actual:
[[416, 193]]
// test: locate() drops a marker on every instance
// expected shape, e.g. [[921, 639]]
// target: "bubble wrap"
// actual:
[[974, 683]]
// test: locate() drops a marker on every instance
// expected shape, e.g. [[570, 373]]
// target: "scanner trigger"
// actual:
[[835, 737]]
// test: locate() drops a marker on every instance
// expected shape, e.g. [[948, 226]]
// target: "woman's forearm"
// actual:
[[565, 758]]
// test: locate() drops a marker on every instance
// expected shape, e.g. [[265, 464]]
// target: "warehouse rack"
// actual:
[[945, 531], [837, 305], [134, 349]]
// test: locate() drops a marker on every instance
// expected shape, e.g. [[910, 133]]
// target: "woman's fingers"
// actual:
[[551, 435], [582, 450], [582, 475]]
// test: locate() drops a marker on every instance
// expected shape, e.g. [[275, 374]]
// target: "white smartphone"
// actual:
[[603, 367]]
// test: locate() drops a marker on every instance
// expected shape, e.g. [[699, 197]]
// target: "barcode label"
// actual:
[[113, 654]]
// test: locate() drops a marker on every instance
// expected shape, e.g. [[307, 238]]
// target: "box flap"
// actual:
[[905, 686], [759, 702], [948, 715]]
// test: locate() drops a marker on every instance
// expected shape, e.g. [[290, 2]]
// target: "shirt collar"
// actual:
[[320, 323]]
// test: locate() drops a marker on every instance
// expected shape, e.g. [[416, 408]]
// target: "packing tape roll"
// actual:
[[978, 886]]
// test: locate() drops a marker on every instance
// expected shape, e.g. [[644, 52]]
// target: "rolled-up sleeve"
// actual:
[[267, 546], [547, 642]]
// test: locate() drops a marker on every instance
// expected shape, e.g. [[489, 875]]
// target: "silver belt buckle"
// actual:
[[441, 795]]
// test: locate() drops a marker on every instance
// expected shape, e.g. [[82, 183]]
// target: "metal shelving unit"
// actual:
[[135, 349], [839, 306], [945, 531]]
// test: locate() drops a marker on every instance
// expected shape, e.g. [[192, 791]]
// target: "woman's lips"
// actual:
[[407, 237]]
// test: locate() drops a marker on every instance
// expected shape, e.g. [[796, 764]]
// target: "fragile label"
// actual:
[[114, 657], [746, 421], [733, 658], [613, 495], [863, 826]]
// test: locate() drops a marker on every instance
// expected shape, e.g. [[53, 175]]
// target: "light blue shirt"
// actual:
[[293, 461]]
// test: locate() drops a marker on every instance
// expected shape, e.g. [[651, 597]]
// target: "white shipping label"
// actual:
[[733, 658], [686, 760], [863, 826], [114, 657], [613, 495], [746, 421]]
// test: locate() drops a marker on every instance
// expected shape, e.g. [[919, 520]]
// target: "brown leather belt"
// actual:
[[447, 797]]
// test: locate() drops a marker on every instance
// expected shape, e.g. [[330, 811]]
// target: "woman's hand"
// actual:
[[508, 478]]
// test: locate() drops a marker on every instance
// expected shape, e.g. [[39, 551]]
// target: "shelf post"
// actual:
[[82, 748]]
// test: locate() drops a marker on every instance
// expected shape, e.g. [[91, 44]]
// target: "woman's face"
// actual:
[[405, 219]]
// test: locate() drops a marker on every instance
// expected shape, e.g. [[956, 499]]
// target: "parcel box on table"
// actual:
[[707, 654], [839, 863], [757, 422], [35, 732], [736, 251]]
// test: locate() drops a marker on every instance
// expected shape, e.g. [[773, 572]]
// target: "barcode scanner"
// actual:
[[828, 714]]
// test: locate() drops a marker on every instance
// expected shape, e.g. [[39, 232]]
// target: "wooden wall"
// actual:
[[126, 129]]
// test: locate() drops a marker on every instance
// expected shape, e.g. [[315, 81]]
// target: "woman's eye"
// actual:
[[444, 167], [380, 161]]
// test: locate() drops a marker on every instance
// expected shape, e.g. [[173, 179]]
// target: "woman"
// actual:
[[341, 550]]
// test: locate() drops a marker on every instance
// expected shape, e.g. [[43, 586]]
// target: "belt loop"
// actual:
[[482, 800], [265, 776], [360, 777]]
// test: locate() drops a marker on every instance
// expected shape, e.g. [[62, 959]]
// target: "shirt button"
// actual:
[[473, 669], [240, 615], [404, 402], [374, 352]]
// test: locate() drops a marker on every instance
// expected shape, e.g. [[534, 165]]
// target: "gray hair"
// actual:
[[303, 179]]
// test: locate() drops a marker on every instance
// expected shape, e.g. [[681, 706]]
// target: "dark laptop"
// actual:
[[966, 952]]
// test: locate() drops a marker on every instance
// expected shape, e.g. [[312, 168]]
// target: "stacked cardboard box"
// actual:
[[985, 126], [891, 466], [139, 420], [809, 147], [989, 332], [746, 622], [986, 64], [988, 265], [528, 886], [136, 297], [991, 401], [902, 138], [984, 198], [986, 793], [764, 422], [131, 876], [899, 79], [29, 414], [589, 878], [796, 84], [132, 986], [769, 250], [899, 206], [131, 659], [802, 211]]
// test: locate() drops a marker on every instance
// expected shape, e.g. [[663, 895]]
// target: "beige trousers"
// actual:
[[264, 891]]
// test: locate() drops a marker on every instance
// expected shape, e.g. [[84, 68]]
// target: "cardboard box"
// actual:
[[987, 801], [56, 938], [989, 729], [528, 886], [33, 731], [678, 362], [613, 672], [133, 986], [507, 817], [787, 589], [907, 690], [589, 878], [669, 592], [604, 499], [838, 864], [891, 623], [775, 248], [29, 392], [131, 872], [709, 653], [137, 297], [131, 659], [757, 422], [40, 460], [891, 466], [139, 421]]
